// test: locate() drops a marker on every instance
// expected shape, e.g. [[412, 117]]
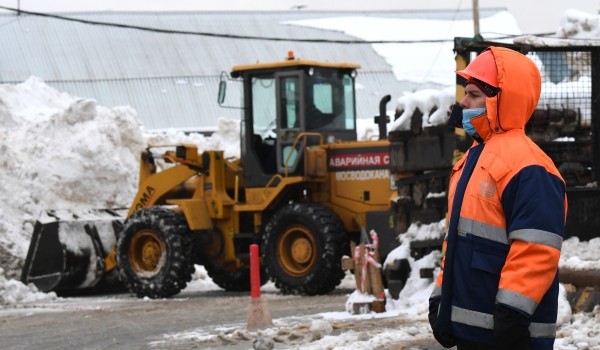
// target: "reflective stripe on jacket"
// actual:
[[505, 234]]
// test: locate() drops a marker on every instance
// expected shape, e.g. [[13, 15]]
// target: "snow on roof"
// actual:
[[577, 28]]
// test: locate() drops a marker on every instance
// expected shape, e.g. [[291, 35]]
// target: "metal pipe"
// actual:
[[587, 278], [476, 17]]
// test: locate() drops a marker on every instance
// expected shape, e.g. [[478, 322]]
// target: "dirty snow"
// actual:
[[65, 152]]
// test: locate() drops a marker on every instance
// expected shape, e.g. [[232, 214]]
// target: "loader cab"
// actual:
[[284, 99]]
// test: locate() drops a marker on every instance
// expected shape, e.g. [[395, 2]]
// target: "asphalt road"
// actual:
[[121, 321]]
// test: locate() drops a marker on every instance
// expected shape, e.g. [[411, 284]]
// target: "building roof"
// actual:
[[172, 79]]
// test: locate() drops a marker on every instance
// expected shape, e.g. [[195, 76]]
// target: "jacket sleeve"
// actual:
[[534, 203], [436, 293], [454, 176]]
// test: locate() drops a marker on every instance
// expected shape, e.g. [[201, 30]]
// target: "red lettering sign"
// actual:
[[363, 160]]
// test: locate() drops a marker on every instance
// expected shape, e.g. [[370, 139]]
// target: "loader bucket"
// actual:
[[68, 249]]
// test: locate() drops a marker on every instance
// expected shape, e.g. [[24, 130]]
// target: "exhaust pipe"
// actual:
[[382, 119]]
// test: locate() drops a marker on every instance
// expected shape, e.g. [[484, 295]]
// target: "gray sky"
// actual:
[[533, 16]]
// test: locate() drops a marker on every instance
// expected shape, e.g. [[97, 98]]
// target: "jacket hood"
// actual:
[[520, 86]]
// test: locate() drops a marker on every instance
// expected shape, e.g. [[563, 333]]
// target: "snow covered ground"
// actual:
[[65, 152]]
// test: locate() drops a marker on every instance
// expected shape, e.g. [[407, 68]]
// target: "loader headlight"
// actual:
[[180, 152], [187, 152]]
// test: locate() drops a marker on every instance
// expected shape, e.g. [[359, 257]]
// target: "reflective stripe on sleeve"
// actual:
[[437, 291], [516, 300], [483, 320], [472, 318], [537, 236], [542, 330], [480, 229]]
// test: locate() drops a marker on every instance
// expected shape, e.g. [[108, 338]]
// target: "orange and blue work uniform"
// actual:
[[507, 210]]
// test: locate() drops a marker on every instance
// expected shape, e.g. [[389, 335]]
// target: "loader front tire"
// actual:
[[155, 253], [302, 249]]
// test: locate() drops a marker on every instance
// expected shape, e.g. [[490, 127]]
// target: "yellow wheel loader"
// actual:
[[302, 189]]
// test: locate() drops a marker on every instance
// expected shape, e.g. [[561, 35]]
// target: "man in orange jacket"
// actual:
[[498, 288]]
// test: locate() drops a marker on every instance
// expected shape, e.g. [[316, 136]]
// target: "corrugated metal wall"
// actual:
[[172, 80]]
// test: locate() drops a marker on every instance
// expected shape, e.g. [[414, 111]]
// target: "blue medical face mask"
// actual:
[[467, 115]]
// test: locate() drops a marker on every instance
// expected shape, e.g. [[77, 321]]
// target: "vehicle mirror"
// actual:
[[222, 88]]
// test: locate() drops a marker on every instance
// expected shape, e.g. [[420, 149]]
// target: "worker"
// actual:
[[498, 285]]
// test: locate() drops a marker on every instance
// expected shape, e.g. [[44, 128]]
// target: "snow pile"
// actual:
[[413, 298], [200, 281], [358, 297], [433, 104], [14, 292], [60, 152], [63, 152], [577, 255], [582, 332], [576, 28], [579, 25], [225, 138]]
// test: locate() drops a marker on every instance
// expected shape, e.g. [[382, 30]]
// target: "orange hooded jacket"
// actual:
[[506, 218]]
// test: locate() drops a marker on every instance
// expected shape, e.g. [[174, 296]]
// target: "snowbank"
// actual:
[[14, 292], [434, 104], [63, 152], [60, 152]]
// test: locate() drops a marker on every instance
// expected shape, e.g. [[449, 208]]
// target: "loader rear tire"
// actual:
[[155, 253], [232, 281], [302, 249]]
